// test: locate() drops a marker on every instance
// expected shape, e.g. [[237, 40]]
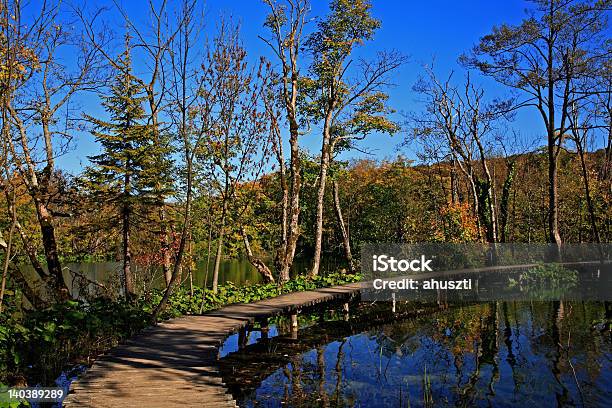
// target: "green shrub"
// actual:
[[39, 345], [546, 276]]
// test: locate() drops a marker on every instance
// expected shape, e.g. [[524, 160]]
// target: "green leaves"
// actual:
[[545, 276], [349, 24], [348, 96], [39, 345], [134, 165], [48, 331]]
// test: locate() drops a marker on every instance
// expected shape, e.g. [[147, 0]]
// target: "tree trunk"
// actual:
[[218, 255], [31, 252], [8, 248], [185, 229], [487, 209], [505, 202], [205, 285], [209, 245], [154, 118], [128, 284], [346, 243], [38, 299], [54, 266], [587, 192], [553, 206], [190, 266], [607, 164], [454, 184], [287, 50], [165, 245], [188, 155], [492, 233], [476, 205], [279, 261], [293, 232], [325, 157], [256, 262]]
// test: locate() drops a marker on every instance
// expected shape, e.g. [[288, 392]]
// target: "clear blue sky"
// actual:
[[423, 30]]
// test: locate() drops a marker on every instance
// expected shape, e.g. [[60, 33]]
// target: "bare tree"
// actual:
[[39, 110], [589, 118], [461, 118], [182, 102], [541, 57], [231, 108]]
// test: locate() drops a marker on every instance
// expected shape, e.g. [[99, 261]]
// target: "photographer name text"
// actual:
[[428, 284], [385, 263]]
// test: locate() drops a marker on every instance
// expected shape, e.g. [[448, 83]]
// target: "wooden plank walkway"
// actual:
[[174, 363]]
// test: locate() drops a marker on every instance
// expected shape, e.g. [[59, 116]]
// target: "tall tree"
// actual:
[[461, 118], [125, 173], [182, 107], [589, 120], [540, 57], [345, 106], [286, 22], [231, 109], [37, 102]]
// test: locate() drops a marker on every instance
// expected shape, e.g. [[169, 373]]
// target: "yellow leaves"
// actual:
[[17, 62], [456, 224]]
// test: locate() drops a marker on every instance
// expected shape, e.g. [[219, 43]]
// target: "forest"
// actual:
[[201, 158]]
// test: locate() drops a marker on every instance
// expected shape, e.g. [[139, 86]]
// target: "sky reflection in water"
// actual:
[[494, 354]]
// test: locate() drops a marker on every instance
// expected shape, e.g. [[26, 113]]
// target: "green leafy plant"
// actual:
[[38, 346], [545, 276]]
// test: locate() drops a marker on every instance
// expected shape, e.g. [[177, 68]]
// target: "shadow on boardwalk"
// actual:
[[175, 363]]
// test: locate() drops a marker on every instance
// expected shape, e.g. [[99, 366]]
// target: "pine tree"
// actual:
[[132, 165]]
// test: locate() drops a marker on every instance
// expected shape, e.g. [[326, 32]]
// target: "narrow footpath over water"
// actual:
[[173, 364]]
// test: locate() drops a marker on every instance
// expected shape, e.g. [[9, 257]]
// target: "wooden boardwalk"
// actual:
[[174, 363]]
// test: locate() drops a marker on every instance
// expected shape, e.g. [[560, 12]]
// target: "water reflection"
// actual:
[[238, 271], [492, 354]]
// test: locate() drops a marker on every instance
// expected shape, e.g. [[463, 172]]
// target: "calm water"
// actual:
[[495, 354], [238, 271]]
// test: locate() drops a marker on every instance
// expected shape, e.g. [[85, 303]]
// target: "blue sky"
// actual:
[[424, 30]]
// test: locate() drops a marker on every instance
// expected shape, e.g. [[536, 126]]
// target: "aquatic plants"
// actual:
[[546, 276]]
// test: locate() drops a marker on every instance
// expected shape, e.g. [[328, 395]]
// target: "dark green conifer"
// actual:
[[133, 164]]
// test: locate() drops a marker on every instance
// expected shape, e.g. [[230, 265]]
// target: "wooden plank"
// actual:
[[174, 363]]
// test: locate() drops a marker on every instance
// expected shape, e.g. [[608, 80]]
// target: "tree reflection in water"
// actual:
[[491, 354]]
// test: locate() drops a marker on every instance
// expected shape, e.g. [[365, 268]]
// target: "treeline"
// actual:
[[200, 141], [389, 201]]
